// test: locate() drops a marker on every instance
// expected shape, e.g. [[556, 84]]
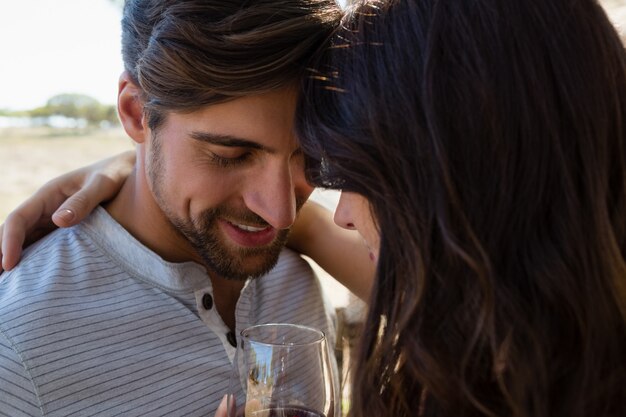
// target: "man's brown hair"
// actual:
[[185, 54]]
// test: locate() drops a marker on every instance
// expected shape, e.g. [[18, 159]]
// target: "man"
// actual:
[[136, 310]]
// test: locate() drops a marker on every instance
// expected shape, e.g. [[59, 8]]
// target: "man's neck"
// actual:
[[135, 209], [226, 294]]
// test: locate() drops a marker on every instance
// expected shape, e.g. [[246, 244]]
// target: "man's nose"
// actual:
[[274, 193]]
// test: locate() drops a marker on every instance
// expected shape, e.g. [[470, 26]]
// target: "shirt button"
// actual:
[[232, 339], [207, 301]]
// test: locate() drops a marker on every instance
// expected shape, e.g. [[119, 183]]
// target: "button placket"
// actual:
[[207, 301], [232, 339], [205, 304]]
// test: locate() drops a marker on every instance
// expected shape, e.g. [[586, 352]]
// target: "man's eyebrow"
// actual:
[[227, 140]]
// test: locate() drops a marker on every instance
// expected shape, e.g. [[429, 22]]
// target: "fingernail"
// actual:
[[65, 215]]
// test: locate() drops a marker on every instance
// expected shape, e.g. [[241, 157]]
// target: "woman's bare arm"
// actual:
[[62, 202], [338, 251]]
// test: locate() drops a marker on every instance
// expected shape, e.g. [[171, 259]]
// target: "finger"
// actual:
[[89, 186], [80, 204], [74, 209], [222, 408], [17, 225], [13, 234]]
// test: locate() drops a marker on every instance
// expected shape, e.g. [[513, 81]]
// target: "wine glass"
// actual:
[[283, 370]]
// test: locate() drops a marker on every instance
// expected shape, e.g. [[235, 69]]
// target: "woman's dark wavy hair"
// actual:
[[489, 137]]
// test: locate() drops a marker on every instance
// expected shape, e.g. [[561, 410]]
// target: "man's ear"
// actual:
[[130, 108]]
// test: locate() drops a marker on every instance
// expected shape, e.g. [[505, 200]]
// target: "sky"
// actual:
[[48, 47]]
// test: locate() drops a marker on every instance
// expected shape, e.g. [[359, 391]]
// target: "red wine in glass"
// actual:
[[286, 411]]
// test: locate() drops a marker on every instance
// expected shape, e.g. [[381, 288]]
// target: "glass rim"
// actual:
[[321, 336]]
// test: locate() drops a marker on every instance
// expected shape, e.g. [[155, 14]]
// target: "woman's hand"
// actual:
[[222, 409], [251, 408], [340, 252], [63, 202]]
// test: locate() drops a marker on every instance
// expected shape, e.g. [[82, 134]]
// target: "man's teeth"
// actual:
[[249, 228]]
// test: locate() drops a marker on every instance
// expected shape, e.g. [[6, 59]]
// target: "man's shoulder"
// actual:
[[292, 293], [62, 258], [62, 246], [292, 275], [291, 261], [23, 289]]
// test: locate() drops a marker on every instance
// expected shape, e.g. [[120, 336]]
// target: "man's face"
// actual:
[[230, 179]]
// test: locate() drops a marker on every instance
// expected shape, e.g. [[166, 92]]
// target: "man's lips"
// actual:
[[248, 235]]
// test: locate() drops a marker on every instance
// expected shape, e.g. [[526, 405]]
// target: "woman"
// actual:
[[488, 139], [480, 150]]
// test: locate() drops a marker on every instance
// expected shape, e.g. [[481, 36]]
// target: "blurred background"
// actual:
[[58, 84]]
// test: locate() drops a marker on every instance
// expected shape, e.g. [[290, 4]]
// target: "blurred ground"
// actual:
[[31, 156]]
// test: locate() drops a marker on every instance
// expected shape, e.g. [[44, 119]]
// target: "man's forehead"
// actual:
[[264, 122]]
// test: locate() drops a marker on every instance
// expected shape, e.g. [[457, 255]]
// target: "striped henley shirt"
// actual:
[[94, 323]]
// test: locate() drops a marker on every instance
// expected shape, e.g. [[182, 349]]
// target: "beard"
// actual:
[[203, 232], [229, 262]]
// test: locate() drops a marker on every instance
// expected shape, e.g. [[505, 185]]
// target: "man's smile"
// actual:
[[248, 235]]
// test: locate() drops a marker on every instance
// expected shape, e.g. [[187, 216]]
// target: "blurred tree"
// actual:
[[77, 106]]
